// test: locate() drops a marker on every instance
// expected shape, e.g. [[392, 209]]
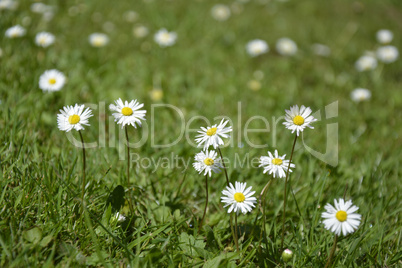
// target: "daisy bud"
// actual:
[[287, 255]]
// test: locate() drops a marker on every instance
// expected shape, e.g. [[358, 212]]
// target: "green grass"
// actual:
[[204, 74]]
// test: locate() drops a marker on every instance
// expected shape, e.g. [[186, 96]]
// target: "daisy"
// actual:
[[128, 113], [213, 135], [276, 165], [238, 198], [73, 117], [387, 54], [207, 162], [342, 217], [321, 50], [298, 119], [365, 63], [44, 39], [360, 94], [286, 47], [52, 80], [39, 8], [164, 38], [140, 31], [8, 4], [384, 36], [220, 12], [257, 47], [98, 39], [15, 31]]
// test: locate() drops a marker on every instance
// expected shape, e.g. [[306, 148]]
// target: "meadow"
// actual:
[[204, 74]]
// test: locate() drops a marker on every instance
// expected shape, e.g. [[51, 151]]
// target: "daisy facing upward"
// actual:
[[298, 119], [275, 164], [213, 135]]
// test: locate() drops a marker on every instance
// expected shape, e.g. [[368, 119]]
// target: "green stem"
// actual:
[[236, 236], [332, 253], [83, 167], [284, 195], [206, 200], [128, 159]]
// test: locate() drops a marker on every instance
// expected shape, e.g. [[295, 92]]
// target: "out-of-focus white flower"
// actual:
[[220, 12], [108, 27], [387, 54], [8, 4], [98, 39], [286, 47], [384, 36], [130, 16], [44, 39], [140, 31], [366, 63], [360, 94], [321, 50], [40, 8], [257, 47], [48, 15], [15, 31], [164, 38]]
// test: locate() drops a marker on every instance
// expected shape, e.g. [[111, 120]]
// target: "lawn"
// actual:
[[205, 75]]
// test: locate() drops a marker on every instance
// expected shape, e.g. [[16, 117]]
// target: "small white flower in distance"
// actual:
[[286, 47], [98, 39], [140, 31], [52, 80], [15, 31], [128, 113], [257, 47], [341, 218], [213, 135], [387, 54], [360, 94], [298, 119], [44, 39], [8, 4], [321, 50], [366, 63], [164, 38], [275, 164], [207, 162], [73, 117], [384, 36], [220, 12], [238, 198], [130, 16]]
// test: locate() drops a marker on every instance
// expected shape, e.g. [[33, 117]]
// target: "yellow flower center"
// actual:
[[277, 161], [341, 215], [208, 161], [73, 119], [239, 197], [52, 81], [211, 131], [298, 120], [127, 111]]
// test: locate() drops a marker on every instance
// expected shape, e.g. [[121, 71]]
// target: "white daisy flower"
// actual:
[[140, 31], [360, 94], [73, 117], [275, 164], [15, 31], [128, 113], [44, 39], [52, 80], [164, 38], [213, 135], [286, 47], [98, 39], [387, 54], [257, 47], [384, 36], [39, 8], [365, 63], [207, 162], [8, 4], [238, 198], [220, 12], [341, 218], [298, 119]]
